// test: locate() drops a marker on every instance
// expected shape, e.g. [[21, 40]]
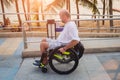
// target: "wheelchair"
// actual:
[[64, 63]]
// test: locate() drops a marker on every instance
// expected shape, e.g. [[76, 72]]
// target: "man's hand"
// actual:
[[69, 45], [62, 50]]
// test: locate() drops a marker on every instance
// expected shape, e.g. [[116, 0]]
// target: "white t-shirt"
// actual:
[[69, 33]]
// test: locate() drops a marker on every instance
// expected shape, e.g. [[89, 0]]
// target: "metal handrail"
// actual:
[[73, 20], [57, 14], [24, 32], [93, 19]]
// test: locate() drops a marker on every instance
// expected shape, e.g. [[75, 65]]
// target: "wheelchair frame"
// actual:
[[72, 54]]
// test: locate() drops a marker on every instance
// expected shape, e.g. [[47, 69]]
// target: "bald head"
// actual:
[[64, 12], [64, 15]]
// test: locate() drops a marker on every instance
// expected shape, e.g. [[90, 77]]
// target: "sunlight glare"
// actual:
[[48, 1]]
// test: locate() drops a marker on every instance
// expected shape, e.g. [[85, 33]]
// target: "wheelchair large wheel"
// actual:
[[79, 48], [63, 63]]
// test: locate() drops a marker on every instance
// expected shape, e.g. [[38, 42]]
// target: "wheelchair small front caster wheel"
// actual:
[[44, 70]]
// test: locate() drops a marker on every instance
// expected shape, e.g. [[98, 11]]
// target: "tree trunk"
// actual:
[[111, 13], [28, 9], [42, 10], [68, 5], [3, 11], [77, 8], [24, 9], [103, 12], [18, 15], [35, 9], [28, 13], [37, 15]]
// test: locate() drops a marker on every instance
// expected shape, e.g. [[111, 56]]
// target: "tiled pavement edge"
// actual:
[[9, 46], [111, 64], [10, 57]]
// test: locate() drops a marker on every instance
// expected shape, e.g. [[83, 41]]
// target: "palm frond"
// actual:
[[55, 5], [7, 3], [90, 4], [93, 1]]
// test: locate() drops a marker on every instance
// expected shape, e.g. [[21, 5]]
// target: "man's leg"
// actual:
[[43, 47]]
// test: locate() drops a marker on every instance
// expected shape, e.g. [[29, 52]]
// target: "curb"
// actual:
[[36, 53]]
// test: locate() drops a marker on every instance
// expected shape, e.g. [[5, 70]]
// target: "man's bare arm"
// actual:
[[71, 44]]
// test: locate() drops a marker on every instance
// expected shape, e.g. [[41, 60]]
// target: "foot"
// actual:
[[36, 64], [39, 64], [37, 61]]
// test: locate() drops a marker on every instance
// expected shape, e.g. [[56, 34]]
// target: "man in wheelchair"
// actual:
[[68, 37]]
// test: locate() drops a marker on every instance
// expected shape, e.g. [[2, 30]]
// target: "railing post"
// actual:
[[98, 26], [24, 37]]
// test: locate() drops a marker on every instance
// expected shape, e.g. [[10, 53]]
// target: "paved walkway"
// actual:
[[91, 66], [89, 69], [10, 57], [111, 64]]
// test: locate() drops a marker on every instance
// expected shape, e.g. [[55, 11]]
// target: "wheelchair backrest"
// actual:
[[79, 48]]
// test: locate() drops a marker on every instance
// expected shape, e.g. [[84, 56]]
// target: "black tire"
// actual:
[[79, 49], [44, 70], [72, 60]]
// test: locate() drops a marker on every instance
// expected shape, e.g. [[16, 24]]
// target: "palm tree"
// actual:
[[109, 10], [91, 4], [18, 15], [56, 4], [77, 8], [42, 10], [59, 4], [23, 4], [35, 9], [3, 11], [104, 4], [28, 9], [68, 5], [7, 4], [111, 13]]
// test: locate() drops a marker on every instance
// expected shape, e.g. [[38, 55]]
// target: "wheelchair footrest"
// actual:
[[38, 63]]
